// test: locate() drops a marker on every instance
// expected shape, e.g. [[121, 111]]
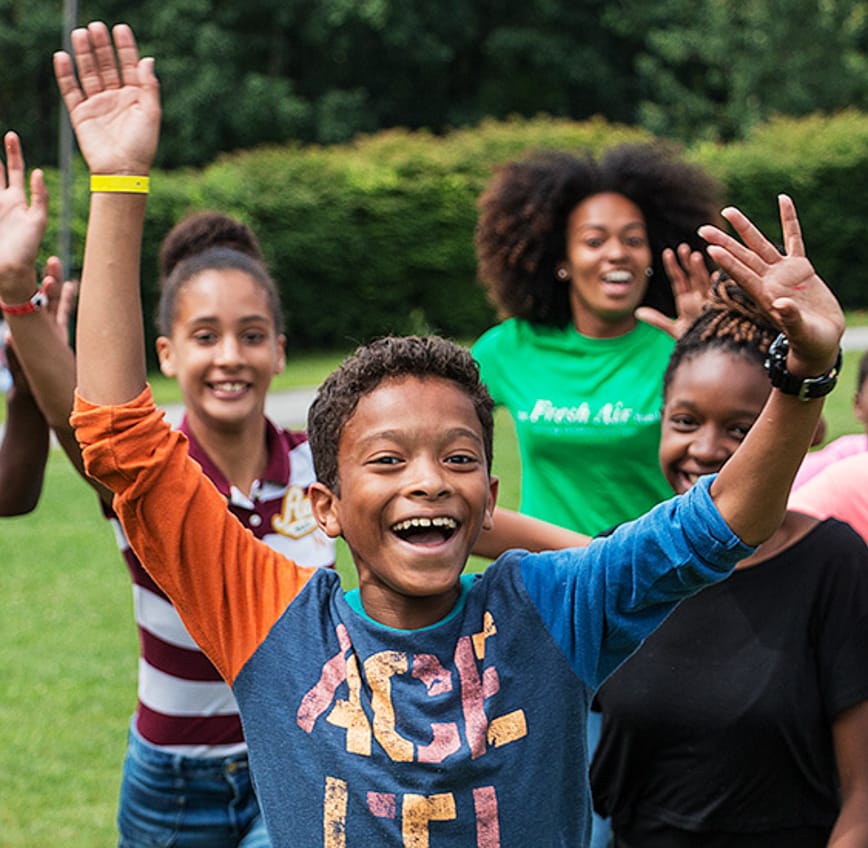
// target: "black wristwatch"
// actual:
[[806, 388]]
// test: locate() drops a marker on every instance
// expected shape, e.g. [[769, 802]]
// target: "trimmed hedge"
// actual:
[[377, 236]]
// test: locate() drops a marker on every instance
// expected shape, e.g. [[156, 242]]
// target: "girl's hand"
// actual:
[[786, 286], [21, 225], [115, 110], [691, 284]]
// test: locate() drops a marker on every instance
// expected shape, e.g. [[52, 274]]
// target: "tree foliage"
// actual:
[[714, 69], [236, 75]]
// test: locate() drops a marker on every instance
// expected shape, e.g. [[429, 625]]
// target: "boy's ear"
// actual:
[[166, 355], [493, 487], [325, 505]]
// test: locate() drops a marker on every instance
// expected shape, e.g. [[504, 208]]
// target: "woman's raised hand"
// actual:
[[691, 283], [113, 102]]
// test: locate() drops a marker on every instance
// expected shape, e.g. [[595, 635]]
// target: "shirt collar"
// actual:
[[276, 469]]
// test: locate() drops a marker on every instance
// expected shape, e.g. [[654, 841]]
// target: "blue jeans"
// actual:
[[172, 801]]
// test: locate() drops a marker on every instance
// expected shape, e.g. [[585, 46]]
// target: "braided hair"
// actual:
[[731, 322]]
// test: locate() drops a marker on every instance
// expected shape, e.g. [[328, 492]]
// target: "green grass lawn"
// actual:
[[68, 669], [68, 644]]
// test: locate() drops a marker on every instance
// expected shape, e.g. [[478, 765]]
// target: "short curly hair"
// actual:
[[521, 232], [384, 359], [210, 241]]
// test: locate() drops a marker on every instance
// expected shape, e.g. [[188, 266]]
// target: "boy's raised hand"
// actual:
[[786, 286], [22, 225], [114, 103]]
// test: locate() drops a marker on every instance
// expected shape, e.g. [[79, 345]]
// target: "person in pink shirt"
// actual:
[[844, 446], [839, 491]]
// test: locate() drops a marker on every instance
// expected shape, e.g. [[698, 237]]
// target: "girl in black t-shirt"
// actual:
[[743, 720]]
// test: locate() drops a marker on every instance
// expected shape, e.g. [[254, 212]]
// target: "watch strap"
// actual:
[[805, 388]]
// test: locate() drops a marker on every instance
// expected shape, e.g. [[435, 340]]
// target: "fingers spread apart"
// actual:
[[103, 61]]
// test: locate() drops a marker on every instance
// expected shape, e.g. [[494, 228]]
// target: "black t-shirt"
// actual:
[[721, 721]]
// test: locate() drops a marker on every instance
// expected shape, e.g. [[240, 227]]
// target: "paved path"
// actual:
[[287, 408], [856, 338]]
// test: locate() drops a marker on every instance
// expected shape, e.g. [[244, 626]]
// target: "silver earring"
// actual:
[[649, 271], [562, 273]]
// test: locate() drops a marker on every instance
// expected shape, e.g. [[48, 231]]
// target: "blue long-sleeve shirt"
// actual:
[[468, 732]]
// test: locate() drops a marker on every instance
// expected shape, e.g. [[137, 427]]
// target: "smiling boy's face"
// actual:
[[415, 492]]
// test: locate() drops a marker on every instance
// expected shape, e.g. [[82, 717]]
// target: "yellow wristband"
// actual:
[[113, 182]]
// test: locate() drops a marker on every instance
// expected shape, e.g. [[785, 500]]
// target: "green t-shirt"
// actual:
[[587, 416]]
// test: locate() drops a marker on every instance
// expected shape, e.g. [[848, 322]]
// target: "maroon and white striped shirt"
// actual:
[[183, 703]]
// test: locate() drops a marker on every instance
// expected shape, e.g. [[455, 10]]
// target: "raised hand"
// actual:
[[691, 284], [114, 104], [785, 286], [22, 225]]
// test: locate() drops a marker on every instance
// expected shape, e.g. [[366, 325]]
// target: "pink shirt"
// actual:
[[839, 491], [817, 460]]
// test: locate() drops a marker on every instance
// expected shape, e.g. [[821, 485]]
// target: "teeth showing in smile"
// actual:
[[618, 277], [229, 387], [425, 524], [424, 532]]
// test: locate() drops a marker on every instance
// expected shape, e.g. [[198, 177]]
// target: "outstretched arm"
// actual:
[[114, 108], [752, 488], [24, 449]]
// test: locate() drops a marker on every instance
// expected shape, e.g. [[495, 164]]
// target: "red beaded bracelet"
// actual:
[[35, 303]]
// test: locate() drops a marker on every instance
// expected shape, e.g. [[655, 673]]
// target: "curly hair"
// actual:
[[388, 358], [521, 232], [730, 321], [210, 241]]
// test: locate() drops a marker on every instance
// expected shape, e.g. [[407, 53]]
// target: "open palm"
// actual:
[[113, 103], [22, 225], [785, 286]]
